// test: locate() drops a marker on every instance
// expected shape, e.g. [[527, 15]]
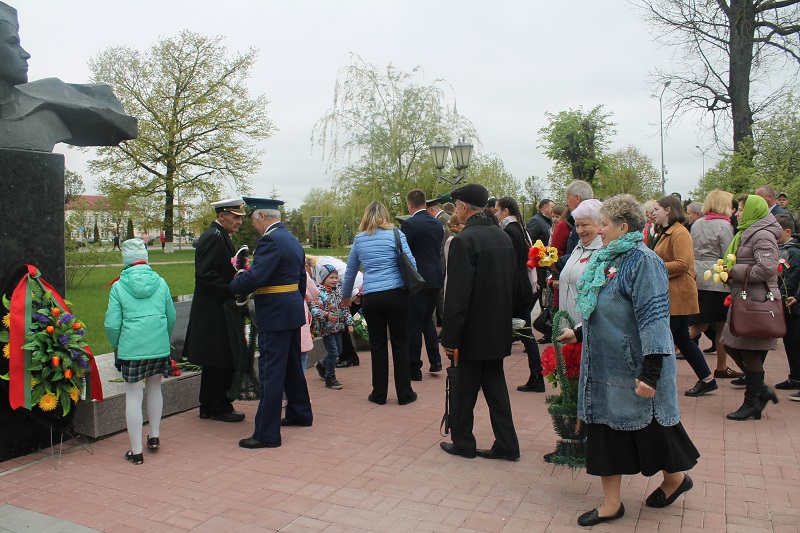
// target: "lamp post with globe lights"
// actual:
[[661, 122], [461, 153]]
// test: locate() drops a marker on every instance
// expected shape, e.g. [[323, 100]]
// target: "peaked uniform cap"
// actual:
[[255, 204], [231, 205]]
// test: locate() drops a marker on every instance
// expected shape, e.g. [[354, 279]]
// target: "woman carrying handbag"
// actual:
[[755, 248]]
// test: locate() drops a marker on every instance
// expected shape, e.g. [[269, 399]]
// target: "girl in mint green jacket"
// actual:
[[139, 322]]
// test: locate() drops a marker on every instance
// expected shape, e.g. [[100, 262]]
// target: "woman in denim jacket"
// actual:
[[627, 392]]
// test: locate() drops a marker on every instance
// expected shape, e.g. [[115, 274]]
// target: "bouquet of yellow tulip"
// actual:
[[540, 255], [719, 271]]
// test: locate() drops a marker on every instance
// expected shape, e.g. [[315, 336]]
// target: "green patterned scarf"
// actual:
[[595, 277], [755, 208]]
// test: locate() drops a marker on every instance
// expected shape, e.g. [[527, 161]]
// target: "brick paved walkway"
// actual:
[[364, 467]]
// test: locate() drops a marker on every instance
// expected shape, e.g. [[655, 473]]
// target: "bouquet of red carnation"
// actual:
[[541, 255], [572, 361]]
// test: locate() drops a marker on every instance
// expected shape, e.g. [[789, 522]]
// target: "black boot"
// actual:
[[752, 404], [766, 395]]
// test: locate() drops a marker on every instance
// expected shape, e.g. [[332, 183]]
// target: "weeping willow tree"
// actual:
[[376, 138]]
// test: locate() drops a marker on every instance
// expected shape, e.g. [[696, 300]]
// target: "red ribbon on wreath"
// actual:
[[19, 394]]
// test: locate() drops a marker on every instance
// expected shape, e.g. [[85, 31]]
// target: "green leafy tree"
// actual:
[[295, 223], [535, 190], [735, 58], [73, 186], [630, 171], [129, 230], [198, 124], [96, 233], [578, 140], [380, 127], [489, 171], [774, 160]]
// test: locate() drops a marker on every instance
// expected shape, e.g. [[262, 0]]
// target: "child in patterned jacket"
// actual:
[[331, 320]]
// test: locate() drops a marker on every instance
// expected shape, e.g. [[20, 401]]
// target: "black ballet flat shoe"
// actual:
[[152, 443], [135, 458], [658, 499], [592, 518]]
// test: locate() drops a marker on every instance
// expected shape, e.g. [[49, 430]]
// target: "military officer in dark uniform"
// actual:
[[277, 280], [207, 338], [481, 270]]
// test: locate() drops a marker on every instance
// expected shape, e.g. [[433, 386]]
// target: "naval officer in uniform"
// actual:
[[277, 280], [207, 337]]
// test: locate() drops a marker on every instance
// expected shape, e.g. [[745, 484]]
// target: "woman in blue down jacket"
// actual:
[[139, 322], [627, 392], [385, 300]]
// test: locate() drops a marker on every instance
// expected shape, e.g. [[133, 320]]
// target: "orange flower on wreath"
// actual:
[[75, 394], [7, 351], [7, 320], [48, 402]]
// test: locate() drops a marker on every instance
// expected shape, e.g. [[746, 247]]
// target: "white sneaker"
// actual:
[[795, 397]]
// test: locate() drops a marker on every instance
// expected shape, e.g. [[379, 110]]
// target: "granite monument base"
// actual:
[[32, 204]]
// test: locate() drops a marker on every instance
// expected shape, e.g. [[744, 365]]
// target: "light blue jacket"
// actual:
[[630, 321], [378, 254], [140, 315]]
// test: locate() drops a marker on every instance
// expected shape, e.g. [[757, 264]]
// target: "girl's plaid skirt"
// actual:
[[135, 371]]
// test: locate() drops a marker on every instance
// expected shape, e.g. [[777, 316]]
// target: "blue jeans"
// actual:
[[333, 347]]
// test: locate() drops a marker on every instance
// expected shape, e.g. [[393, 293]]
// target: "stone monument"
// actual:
[[33, 118]]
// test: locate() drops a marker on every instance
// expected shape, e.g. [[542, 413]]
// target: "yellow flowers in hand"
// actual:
[[717, 271]]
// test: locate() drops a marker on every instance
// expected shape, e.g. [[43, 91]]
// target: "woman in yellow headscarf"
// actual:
[[755, 248]]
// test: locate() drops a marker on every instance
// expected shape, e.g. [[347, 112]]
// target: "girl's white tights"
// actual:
[[133, 409]]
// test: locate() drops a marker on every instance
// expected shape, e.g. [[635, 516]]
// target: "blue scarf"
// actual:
[[595, 277]]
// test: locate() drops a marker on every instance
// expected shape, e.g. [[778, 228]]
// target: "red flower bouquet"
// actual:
[[572, 361], [541, 255]]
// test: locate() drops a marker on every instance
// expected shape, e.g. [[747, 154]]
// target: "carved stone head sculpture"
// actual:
[[37, 115], [13, 58]]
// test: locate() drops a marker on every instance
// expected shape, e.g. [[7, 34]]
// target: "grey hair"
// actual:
[[580, 188], [695, 207], [471, 207], [268, 213], [624, 208]]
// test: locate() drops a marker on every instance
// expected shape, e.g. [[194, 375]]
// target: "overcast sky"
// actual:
[[508, 63]]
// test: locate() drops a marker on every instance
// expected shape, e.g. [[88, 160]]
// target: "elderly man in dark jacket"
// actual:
[[207, 339], [481, 270]]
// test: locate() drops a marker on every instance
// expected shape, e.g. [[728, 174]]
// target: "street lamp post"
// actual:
[[661, 121], [703, 152], [461, 154]]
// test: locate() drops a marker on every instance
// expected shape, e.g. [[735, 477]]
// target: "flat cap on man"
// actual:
[[231, 205], [471, 193], [254, 204]]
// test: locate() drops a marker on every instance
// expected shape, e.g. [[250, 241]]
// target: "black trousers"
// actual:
[[348, 350], [489, 376], [531, 346], [792, 344], [214, 386], [679, 326], [420, 324], [381, 310]]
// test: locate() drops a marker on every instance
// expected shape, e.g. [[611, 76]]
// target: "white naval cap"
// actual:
[[231, 205]]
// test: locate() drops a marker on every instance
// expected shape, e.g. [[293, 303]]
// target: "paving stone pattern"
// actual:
[[364, 467]]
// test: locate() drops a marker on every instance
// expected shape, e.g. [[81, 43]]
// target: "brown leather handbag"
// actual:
[[757, 319]]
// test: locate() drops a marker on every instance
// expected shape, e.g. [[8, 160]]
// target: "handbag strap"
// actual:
[[743, 293]]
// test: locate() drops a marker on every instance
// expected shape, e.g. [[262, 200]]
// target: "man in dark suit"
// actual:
[[207, 341], [424, 236], [442, 216], [481, 271], [277, 280]]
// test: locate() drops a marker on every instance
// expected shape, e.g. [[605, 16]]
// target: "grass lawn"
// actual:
[[90, 299], [341, 253]]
